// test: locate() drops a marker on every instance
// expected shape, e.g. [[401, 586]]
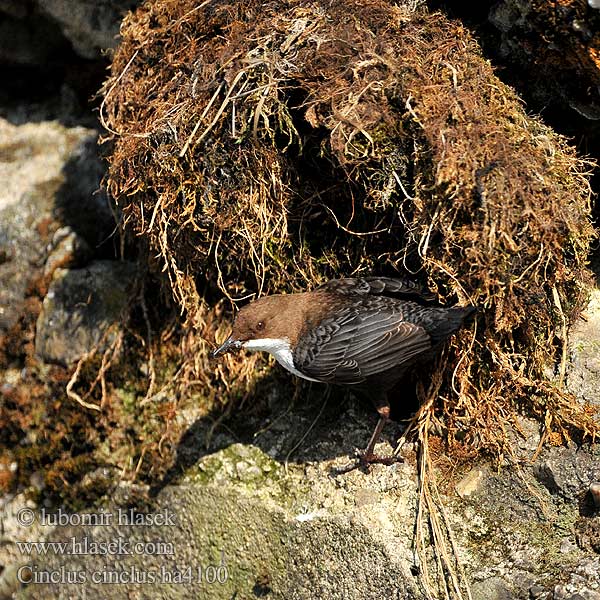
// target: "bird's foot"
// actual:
[[364, 462]]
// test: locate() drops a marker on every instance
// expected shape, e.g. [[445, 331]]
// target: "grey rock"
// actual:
[[14, 8], [36, 481], [33, 32], [568, 472], [494, 588], [469, 484], [583, 581], [81, 204], [68, 249], [542, 44], [12, 507], [90, 25], [27, 39], [561, 592], [567, 545], [32, 170], [298, 533], [79, 309], [50, 212], [538, 592], [9, 582], [587, 533], [583, 376], [263, 535]]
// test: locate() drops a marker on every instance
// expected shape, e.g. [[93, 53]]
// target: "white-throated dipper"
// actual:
[[361, 333]]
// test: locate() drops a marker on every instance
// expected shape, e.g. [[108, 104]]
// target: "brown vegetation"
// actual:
[[73, 454], [265, 147]]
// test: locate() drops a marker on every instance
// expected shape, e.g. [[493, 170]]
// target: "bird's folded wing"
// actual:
[[349, 348], [378, 286]]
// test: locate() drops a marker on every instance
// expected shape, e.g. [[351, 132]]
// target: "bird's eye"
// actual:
[[260, 325]]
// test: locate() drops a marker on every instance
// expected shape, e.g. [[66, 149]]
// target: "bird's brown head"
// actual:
[[271, 317]]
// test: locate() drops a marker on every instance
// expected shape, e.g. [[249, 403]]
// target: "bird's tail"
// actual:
[[464, 312], [451, 320]]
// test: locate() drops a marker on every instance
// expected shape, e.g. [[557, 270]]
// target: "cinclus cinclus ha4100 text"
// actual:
[[362, 333]]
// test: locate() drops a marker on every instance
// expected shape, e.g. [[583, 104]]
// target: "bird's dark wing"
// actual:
[[359, 343], [378, 286]]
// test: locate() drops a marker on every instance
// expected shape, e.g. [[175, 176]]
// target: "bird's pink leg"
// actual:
[[368, 457], [368, 453]]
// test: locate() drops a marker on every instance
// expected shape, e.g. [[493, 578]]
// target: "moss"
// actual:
[[309, 141], [249, 468], [128, 398]]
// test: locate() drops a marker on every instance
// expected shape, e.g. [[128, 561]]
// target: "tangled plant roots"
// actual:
[[267, 146]]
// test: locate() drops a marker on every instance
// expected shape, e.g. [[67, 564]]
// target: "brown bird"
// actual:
[[361, 333]]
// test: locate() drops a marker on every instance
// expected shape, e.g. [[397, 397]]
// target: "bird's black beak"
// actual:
[[227, 346]]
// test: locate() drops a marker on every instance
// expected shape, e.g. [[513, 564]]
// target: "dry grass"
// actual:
[[265, 147]]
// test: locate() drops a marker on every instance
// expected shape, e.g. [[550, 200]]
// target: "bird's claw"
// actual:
[[364, 461]]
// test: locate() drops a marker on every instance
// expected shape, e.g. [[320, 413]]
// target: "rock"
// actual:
[[494, 588], [14, 510], [9, 582], [269, 531], [587, 532], [567, 545], [50, 213], [83, 205], [538, 592], [53, 55], [68, 250], [552, 50], [32, 162], [90, 25], [14, 8], [296, 532], [27, 39], [565, 592], [33, 32], [220, 519], [583, 376], [32, 157], [583, 582], [568, 472], [469, 484], [80, 307]]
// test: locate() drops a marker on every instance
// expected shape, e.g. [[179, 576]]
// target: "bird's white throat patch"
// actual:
[[280, 349]]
